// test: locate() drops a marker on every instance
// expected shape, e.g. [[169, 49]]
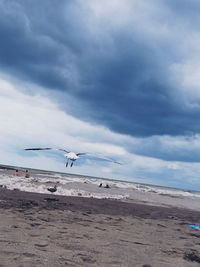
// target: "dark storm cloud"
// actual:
[[120, 77], [24, 51]]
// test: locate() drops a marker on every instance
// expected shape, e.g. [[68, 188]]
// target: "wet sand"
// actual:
[[47, 230]]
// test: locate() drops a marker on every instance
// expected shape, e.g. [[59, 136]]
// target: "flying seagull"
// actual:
[[71, 156]]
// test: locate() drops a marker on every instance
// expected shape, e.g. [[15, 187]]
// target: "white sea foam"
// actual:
[[40, 185], [89, 187]]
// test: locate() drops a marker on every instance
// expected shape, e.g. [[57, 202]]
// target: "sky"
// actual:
[[117, 78]]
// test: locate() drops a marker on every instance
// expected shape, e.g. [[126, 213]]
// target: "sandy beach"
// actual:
[[39, 229]]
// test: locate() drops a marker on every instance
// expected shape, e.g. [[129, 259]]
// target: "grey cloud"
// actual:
[[183, 149], [121, 80]]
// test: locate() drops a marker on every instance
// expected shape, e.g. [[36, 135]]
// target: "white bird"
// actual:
[[72, 156]]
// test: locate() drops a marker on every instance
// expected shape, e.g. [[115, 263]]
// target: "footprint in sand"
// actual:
[[88, 260], [41, 245]]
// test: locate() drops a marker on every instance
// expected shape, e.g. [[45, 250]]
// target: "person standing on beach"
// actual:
[[16, 173], [27, 174]]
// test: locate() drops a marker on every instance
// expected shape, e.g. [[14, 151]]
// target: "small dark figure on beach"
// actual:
[[100, 185], [3, 186], [52, 189], [27, 174], [16, 173], [107, 186]]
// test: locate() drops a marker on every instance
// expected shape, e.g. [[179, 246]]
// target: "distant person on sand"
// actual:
[[16, 173], [27, 174], [107, 186], [100, 185]]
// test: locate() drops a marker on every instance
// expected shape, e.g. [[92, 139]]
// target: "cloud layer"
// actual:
[[123, 63]]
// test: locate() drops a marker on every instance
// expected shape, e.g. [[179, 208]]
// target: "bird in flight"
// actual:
[[71, 156]]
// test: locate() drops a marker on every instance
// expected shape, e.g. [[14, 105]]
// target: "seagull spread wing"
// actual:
[[64, 150], [46, 148], [82, 153], [100, 157], [38, 148], [78, 154], [108, 159]]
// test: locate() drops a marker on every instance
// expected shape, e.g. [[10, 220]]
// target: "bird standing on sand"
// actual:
[[27, 174], [52, 189]]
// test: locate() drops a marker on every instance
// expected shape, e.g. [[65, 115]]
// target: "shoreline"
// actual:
[[22, 199], [35, 171], [83, 186]]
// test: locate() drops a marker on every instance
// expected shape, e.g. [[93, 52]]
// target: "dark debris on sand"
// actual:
[[192, 255]]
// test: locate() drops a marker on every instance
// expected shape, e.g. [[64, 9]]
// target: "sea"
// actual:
[[87, 186]]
